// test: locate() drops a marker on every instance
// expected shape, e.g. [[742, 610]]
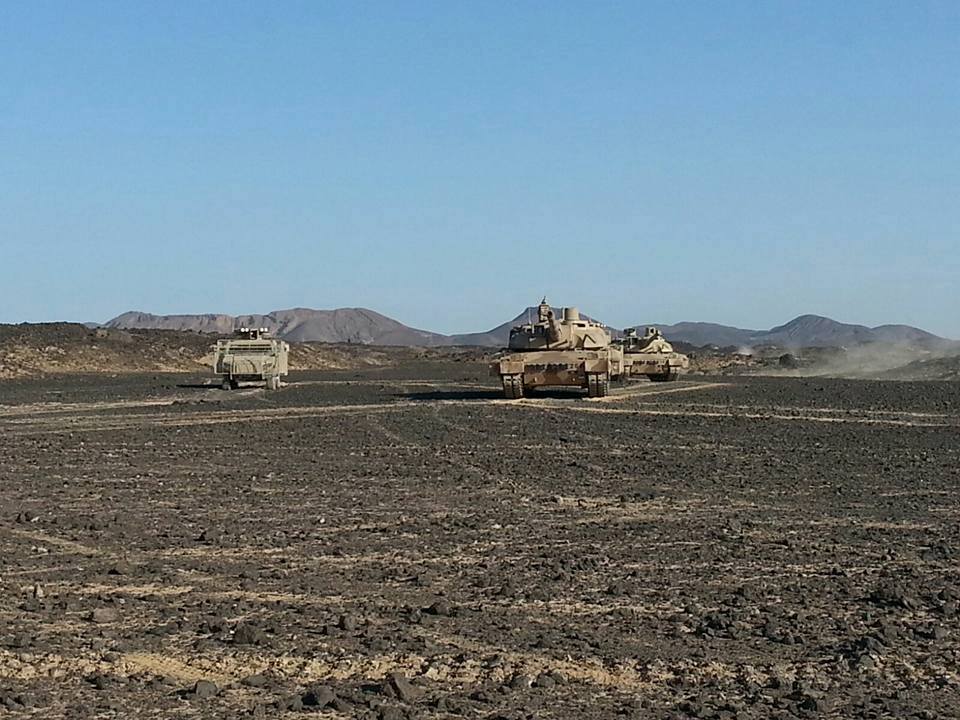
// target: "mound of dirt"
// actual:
[[63, 348], [866, 362], [943, 368], [51, 348]]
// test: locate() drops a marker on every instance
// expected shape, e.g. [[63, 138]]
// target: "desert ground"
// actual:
[[398, 543]]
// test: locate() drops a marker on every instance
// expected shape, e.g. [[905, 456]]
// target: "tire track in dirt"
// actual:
[[69, 547], [186, 671], [623, 676], [81, 423], [48, 665], [760, 416], [859, 412]]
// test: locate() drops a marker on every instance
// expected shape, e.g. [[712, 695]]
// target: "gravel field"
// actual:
[[404, 544]]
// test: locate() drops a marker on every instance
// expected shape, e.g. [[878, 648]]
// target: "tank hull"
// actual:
[[588, 369], [659, 367]]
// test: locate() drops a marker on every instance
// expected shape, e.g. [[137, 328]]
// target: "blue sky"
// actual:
[[448, 163]]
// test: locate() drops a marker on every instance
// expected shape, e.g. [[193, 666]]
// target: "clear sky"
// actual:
[[447, 163]]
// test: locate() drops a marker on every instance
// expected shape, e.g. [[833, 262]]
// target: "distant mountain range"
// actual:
[[359, 325], [804, 331], [345, 325]]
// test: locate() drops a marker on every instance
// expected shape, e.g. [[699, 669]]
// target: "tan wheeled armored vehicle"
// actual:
[[651, 355], [252, 357], [571, 352]]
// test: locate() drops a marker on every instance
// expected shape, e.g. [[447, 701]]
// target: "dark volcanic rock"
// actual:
[[392, 713], [104, 615], [256, 681], [122, 567], [100, 681], [441, 607], [209, 535], [347, 622], [892, 594], [399, 687], [521, 681], [291, 703], [204, 689], [319, 696], [247, 634]]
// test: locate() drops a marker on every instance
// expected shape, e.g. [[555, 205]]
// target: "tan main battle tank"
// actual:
[[571, 352], [651, 355]]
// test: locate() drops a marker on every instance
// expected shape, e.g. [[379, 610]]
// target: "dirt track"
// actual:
[[756, 548]]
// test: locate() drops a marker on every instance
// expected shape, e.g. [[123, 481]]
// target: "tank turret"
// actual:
[[651, 341], [571, 332]]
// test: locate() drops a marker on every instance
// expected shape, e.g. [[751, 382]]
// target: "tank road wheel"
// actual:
[[598, 385], [512, 386], [668, 376]]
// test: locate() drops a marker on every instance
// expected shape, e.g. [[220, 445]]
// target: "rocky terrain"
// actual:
[[876, 362], [63, 348], [28, 350], [399, 543], [938, 368]]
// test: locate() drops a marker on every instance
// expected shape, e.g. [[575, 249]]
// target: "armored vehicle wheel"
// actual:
[[226, 384], [598, 385], [668, 376], [512, 386]]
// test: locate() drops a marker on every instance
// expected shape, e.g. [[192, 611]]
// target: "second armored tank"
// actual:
[[569, 352], [650, 354]]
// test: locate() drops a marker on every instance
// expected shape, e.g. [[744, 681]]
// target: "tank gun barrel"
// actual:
[[547, 318], [553, 328]]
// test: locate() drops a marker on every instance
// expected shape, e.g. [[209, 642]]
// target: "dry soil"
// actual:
[[401, 543]]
